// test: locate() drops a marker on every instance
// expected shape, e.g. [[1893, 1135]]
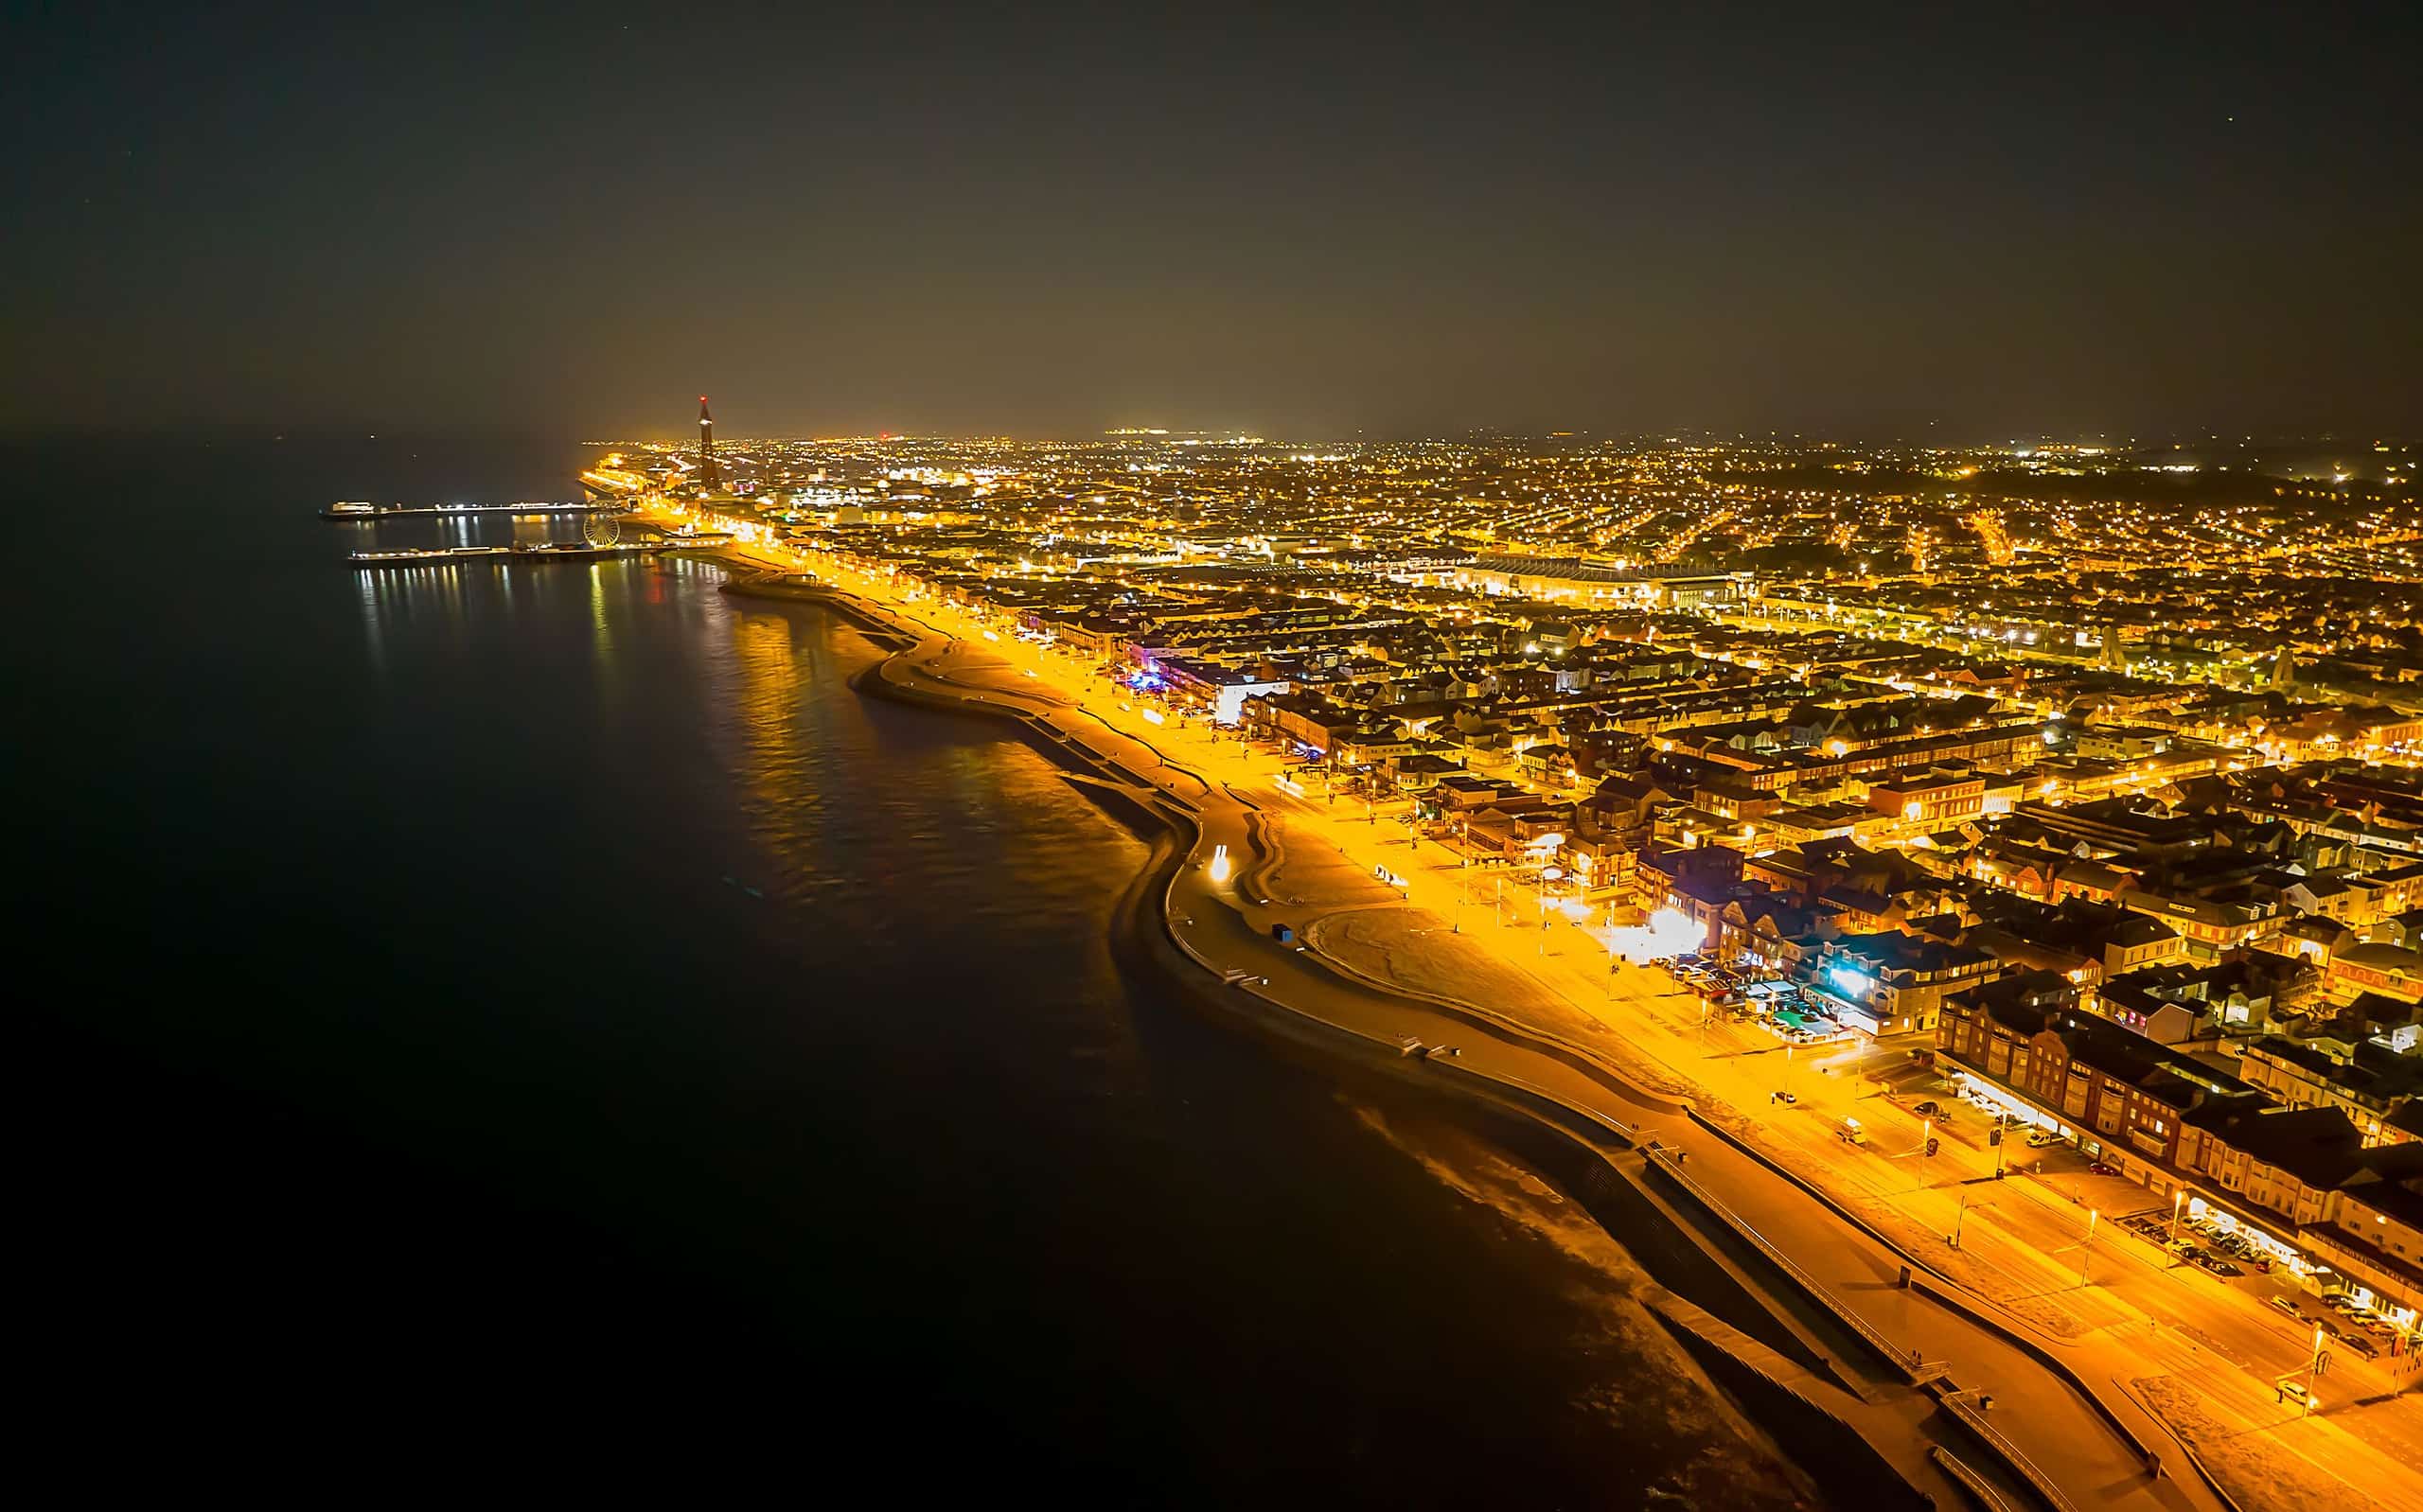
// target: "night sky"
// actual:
[[1965, 221]]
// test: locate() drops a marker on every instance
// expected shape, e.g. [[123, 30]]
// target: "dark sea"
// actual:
[[530, 1027]]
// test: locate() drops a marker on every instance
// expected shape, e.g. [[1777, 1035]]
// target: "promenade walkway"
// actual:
[[2042, 1416], [1620, 1051]]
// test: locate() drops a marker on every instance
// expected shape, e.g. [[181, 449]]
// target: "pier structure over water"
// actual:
[[552, 552], [366, 511]]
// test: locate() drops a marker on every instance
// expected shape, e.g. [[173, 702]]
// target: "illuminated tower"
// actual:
[[707, 478]]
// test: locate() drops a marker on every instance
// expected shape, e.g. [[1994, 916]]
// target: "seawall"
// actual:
[[1580, 1154]]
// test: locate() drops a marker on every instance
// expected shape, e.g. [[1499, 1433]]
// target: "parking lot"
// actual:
[[1789, 1011]]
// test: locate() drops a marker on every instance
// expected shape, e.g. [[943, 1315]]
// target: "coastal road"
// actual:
[[2043, 1414], [2023, 1248]]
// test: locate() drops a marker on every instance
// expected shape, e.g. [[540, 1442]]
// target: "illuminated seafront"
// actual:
[[1337, 915], [884, 1093]]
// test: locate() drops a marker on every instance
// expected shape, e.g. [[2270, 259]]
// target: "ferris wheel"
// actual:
[[602, 527]]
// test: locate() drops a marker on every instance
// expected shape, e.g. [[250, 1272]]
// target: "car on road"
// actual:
[[2042, 1138], [2296, 1391], [1929, 1109], [2099, 1168], [2218, 1266], [1850, 1133], [2286, 1306], [1790, 1099], [2358, 1343]]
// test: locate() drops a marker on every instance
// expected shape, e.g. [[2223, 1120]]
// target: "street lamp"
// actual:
[[1548, 875], [2176, 1198], [2088, 1258], [1960, 1216]]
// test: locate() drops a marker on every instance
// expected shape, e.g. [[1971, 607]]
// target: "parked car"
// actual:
[[2099, 1168], [2218, 1266], [2286, 1306], [2040, 1138]]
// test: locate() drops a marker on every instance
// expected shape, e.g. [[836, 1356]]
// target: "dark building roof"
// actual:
[[2319, 1147], [1891, 950]]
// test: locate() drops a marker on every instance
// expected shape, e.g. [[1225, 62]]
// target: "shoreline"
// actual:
[[1744, 1342], [1836, 1461], [2115, 1442]]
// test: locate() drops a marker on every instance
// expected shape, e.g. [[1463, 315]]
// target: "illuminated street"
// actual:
[[1518, 944], [1646, 758]]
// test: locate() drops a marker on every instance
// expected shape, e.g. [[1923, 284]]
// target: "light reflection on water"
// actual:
[[897, 1107]]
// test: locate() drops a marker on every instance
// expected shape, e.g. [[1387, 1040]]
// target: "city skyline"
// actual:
[[1417, 757]]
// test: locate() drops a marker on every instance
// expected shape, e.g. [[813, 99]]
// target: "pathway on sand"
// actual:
[[1231, 930], [2139, 1330]]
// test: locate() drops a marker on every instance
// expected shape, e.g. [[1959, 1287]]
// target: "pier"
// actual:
[[565, 552], [354, 511]]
